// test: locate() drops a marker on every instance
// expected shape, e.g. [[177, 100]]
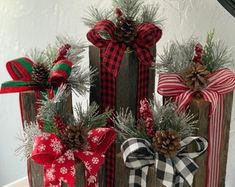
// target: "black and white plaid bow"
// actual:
[[138, 156]]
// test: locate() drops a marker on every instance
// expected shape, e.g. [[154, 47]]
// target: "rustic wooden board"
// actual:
[[122, 174], [126, 81]]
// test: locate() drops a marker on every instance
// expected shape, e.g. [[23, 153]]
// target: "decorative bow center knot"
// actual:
[[138, 156], [28, 75], [147, 35], [59, 162]]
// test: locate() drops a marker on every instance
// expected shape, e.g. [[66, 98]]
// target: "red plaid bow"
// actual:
[[59, 162], [220, 82], [148, 35]]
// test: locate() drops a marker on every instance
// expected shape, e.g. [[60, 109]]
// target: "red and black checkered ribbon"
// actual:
[[111, 54]]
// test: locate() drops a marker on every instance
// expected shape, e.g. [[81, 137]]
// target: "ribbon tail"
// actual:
[[113, 57], [179, 181], [138, 177], [185, 168], [91, 180], [164, 170]]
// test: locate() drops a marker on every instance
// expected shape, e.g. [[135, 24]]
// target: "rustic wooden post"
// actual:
[[200, 108]]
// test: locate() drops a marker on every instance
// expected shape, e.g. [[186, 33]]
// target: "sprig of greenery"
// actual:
[[91, 118], [177, 56], [26, 139], [215, 54], [95, 14], [125, 125], [135, 9]]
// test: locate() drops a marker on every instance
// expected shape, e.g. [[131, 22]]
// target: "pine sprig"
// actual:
[[177, 56], [91, 118], [134, 9], [130, 8], [37, 56], [215, 54], [168, 117], [95, 14], [125, 125], [150, 13], [26, 139]]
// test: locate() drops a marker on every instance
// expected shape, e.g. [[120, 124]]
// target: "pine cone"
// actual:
[[75, 137], [40, 73], [195, 76], [166, 142], [125, 30]]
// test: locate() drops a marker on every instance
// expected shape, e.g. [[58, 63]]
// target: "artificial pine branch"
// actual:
[[168, 117], [91, 117], [95, 14], [177, 56], [26, 139], [125, 125], [150, 13], [37, 56], [130, 8], [215, 54]]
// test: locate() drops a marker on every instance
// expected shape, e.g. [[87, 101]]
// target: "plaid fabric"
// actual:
[[111, 57], [137, 156]]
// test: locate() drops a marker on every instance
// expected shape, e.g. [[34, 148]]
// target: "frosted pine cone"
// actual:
[[75, 136], [40, 73], [166, 142], [125, 30], [195, 76]]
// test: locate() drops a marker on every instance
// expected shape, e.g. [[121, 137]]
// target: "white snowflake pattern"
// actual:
[[72, 171], [56, 145], [87, 153], [45, 136], [61, 160], [41, 147], [63, 170], [100, 130], [90, 133], [52, 185], [50, 174], [95, 139], [95, 160], [69, 154], [87, 165], [91, 179]]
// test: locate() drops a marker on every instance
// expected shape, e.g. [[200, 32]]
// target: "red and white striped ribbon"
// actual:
[[220, 82]]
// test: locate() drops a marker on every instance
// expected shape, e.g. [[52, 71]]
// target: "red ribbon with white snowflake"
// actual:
[[59, 162], [220, 82]]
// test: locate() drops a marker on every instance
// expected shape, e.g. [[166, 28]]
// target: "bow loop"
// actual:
[[20, 69], [137, 153], [148, 35], [95, 34], [47, 148], [60, 72]]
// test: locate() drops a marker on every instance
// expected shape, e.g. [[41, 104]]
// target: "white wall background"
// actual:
[[26, 24]]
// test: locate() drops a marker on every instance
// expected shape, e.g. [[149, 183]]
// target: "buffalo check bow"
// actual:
[[59, 162], [21, 70], [220, 82], [148, 35], [138, 156]]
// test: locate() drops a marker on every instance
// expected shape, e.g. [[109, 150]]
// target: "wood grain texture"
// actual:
[[200, 108], [126, 81]]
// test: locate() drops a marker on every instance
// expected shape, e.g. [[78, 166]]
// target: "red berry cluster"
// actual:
[[147, 117], [59, 124], [118, 12], [62, 52], [198, 53]]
